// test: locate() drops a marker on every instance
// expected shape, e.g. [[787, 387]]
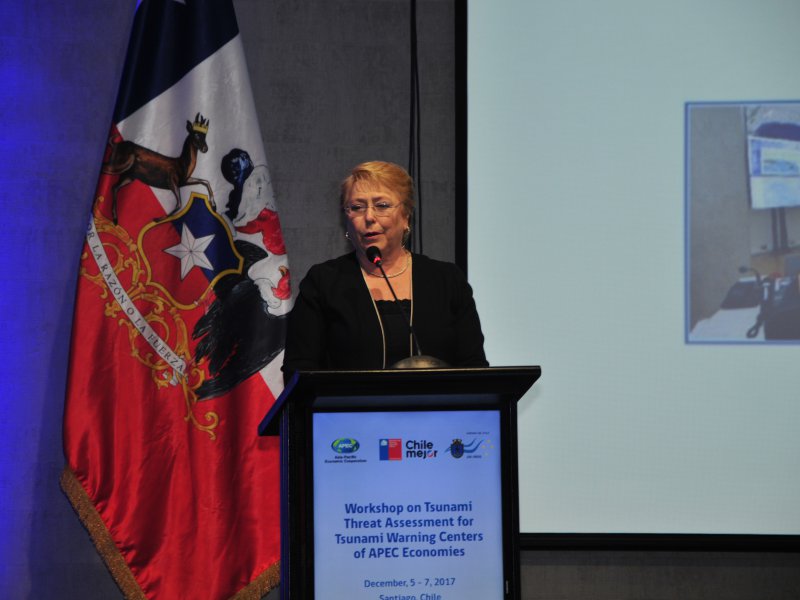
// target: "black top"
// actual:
[[334, 324], [395, 328]]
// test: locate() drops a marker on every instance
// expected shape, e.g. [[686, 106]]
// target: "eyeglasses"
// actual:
[[380, 209]]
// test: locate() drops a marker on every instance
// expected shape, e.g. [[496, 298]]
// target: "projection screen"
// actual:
[[609, 219]]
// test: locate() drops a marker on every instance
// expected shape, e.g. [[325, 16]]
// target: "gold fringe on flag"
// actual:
[[255, 590], [102, 539]]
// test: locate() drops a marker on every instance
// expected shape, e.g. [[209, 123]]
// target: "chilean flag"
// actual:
[[178, 332]]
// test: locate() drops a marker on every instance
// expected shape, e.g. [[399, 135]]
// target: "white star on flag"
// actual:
[[191, 251]]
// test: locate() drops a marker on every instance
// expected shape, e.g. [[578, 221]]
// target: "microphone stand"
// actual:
[[418, 360]]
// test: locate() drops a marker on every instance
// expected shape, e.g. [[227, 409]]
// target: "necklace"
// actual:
[[380, 321], [393, 275]]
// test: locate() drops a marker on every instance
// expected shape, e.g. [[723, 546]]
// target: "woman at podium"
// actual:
[[351, 315]]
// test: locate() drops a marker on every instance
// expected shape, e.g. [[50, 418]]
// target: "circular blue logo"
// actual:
[[345, 445]]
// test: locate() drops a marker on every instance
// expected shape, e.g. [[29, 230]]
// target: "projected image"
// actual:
[[743, 222]]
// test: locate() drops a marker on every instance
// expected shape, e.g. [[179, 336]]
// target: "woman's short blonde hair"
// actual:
[[382, 174]]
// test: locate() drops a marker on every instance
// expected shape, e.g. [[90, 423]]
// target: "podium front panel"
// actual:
[[354, 423], [408, 504]]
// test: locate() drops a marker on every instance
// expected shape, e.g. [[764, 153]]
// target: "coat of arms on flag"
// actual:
[[179, 323]]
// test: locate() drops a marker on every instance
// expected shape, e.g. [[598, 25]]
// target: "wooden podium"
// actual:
[[381, 401]]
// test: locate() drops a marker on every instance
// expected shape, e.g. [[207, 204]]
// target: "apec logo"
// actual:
[[345, 446]]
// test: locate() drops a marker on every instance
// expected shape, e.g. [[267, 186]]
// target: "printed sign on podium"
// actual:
[[408, 504]]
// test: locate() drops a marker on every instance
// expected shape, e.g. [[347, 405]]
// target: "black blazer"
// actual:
[[333, 324]]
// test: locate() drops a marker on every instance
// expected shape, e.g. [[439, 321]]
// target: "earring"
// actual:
[[347, 234]]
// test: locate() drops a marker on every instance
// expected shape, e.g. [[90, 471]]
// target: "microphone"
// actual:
[[420, 361], [374, 256]]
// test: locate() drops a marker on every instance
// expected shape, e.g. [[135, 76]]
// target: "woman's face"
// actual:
[[366, 226]]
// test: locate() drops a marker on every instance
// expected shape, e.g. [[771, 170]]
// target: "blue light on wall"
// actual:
[[59, 69]]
